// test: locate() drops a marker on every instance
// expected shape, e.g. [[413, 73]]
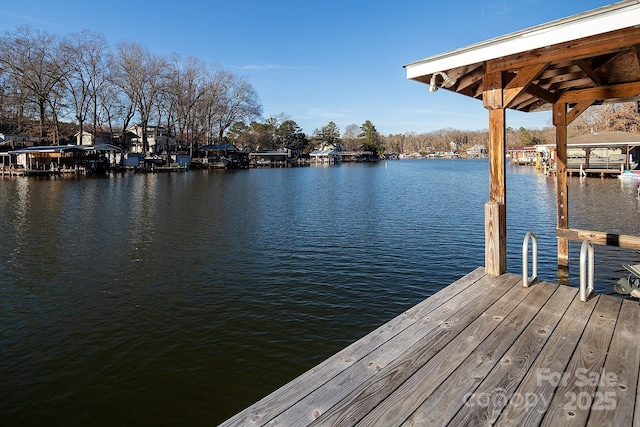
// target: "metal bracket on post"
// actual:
[[586, 255], [525, 261]]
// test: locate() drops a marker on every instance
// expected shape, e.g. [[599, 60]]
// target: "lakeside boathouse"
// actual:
[[495, 347], [598, 153]]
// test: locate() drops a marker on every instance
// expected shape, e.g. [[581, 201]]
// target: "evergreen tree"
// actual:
[[371, 140], [329, 134]]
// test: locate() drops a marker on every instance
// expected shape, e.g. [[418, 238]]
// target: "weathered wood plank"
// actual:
[[455, 393], [492, 395], [522, 80], [572, 401], [600, 238], [571, 50], [285, 397], [492, 85], [412, 392], [562, 199], [623, 90], [577, 110], [540, 383], [340, 399], [483, 350], [615, 398], [495, 253]]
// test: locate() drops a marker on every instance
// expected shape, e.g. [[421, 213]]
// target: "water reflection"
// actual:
[[182, 290]]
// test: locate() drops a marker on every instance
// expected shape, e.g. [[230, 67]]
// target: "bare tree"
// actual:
[[350, 140], [621, 117], [187, 85], [114, 106], [238, 102], [86, 55], [138, 74], [34, 63]]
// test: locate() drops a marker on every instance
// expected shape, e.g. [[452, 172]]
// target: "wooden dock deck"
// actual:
[[482, 351]]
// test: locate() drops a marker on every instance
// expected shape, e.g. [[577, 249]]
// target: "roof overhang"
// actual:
[[51, 149], [105, 147], [589, 56]]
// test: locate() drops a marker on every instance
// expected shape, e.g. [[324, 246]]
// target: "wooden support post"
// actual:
[[562, 198], [495, 255], [495, 210]]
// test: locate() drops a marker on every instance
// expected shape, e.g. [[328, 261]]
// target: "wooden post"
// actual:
[[495, 254], [496, 208], [562, 198]]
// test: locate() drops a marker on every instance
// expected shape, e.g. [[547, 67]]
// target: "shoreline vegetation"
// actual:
[[79, 90]]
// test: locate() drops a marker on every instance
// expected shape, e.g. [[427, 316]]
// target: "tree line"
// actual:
[[54, 86], [623, 117], [47, 81]]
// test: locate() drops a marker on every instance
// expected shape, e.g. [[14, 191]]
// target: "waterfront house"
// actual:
[[496, 348], [15, 141], [159, 139], [477, 151], [87, 138]]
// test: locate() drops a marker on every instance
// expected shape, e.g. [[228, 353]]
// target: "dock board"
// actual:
[[484, 350]]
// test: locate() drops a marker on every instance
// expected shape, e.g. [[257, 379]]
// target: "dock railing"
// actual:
[[586, 270], [525, 259], [600, 238], [588, 239]]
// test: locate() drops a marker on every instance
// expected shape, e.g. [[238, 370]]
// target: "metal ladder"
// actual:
[[586, 265], [525, 259]]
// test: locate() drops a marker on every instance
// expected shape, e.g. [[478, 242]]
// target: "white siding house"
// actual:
[[158, 137]]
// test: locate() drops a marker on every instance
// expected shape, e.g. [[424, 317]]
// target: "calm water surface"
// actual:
[[182, 298]]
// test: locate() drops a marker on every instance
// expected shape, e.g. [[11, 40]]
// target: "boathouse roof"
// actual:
[[51, 149], [574, 58], [219, 147], [608, 137], [65, 148]]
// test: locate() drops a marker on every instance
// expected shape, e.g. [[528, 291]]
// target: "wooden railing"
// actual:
[[600, 238]]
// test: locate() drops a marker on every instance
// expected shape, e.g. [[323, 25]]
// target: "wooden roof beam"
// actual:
[[527, 103], [582, 83], [523, 79], [587, 47], [578, 109], [541, 93], [470, 78], [589, 71], [624, 90]]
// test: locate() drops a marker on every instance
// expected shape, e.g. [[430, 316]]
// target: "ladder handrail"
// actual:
[[525, 261], [586, 283]]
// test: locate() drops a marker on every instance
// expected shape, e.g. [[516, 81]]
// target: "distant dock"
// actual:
[[483, 350]]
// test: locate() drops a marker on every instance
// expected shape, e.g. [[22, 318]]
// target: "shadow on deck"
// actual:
[[483, 350]]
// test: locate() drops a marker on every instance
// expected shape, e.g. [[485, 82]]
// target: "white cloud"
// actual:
[[16, 17]]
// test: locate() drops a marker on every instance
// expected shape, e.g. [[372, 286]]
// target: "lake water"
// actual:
[[180, 299]]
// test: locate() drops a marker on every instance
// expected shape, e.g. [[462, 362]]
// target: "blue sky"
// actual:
[[316, 62]]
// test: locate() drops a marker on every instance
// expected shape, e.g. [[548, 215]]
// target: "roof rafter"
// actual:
[[619, 91], [570, 51]]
